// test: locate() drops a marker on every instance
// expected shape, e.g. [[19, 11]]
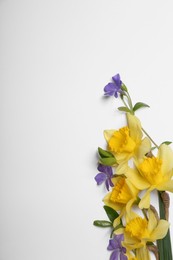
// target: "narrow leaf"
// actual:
[[164, 244], [104, 153], [108, 161], [139, 105], [153, 148], [102, 223], [111, 213], [124, 109], [167, 142]]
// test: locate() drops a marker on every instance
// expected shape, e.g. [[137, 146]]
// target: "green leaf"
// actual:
[[102, 223], [104, 153], [139, 105], [111, 213], [153, 148], [106, 157], [164, 244], [108, 161], [167, 142], [124, 109]]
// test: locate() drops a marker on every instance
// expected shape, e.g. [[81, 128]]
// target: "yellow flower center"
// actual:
[[138, 228], [120, 192], [121, 141], [150, 169]]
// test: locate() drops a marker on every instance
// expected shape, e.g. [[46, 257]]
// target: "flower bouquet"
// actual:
[[132, 167]]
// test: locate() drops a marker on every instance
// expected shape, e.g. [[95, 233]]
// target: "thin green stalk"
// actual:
[[150, 137], [130, 101], [124, 102]]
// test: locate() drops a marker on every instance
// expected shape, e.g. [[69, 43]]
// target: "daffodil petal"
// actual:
[[165, 153], [160, 231], [145, 201], [122, 169], [134, 191], [115, 180], [152, 222], [168, 186], [144, 148], [143, 253], [113, 205], [138, 181], [130, 255], [135, 127], [131, 215], [130, 240], [123, 157], [117, 221], [129, 205], [108, 134], [119, 231], [133, 246]]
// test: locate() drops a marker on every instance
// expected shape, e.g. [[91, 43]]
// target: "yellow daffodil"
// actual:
[[153, 173], [139, 231], [127, 142], [122, 197]]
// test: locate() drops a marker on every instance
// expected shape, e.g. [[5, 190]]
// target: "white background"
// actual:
[[55, 59]]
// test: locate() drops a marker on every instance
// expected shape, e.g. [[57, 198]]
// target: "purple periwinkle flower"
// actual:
[[113, 88], [105, 174], [117, 248]]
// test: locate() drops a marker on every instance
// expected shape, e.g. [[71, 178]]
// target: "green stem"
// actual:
[[130, 101], [124, 102], [164, 245], [150, 137]]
